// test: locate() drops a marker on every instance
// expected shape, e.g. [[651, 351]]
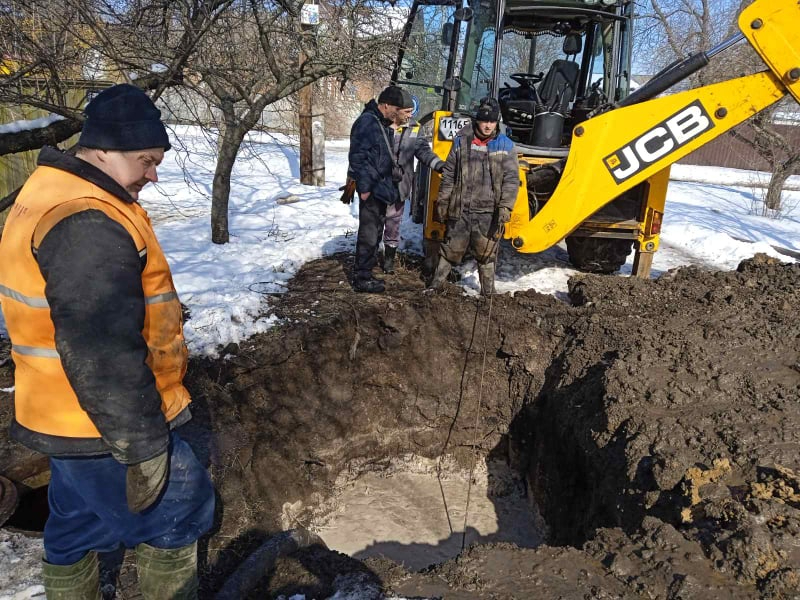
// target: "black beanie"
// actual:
[[488, 110], [396, 96], [407, 101], [122, 117]]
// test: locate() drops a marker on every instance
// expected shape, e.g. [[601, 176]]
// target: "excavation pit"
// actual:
[[31, 512], [653, 422], [615, 411], [416, 513]]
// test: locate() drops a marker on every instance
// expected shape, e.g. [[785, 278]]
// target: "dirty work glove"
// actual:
[[440, 212], [145, 481], [439, 166], [503, 215], [348, 191]]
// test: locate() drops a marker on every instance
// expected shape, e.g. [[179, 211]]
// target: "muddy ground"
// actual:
[[655, 425]]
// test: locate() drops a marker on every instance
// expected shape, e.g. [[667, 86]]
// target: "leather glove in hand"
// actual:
[[348, 191], [440, 212], [145, 481], [503, 215]]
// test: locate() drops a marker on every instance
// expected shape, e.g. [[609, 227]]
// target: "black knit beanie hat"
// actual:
[[394, 95], [122, 117], [488, 110]]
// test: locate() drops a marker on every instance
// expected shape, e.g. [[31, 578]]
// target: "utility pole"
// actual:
[[311, 121]]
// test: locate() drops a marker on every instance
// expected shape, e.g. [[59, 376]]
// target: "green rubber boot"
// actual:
[[486, 277], [78, 581], [167, 574], [440, 274]]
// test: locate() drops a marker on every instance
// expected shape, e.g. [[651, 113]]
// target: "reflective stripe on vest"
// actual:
[[15, 295], [161, 298], [42, 302], [31, 351]]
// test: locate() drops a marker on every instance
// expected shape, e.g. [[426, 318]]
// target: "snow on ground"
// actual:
[[20, 566], [277, 224], [708, 215], [752, 180]]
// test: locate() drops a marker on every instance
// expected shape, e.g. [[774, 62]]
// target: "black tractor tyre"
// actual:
[[598, 255]]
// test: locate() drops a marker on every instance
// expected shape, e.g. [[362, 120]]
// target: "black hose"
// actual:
[[258, 564], [666, 78]]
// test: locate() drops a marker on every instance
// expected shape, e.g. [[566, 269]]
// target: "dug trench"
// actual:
[[653, 426]]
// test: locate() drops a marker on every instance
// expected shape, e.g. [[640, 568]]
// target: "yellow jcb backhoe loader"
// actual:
[[594, 158]]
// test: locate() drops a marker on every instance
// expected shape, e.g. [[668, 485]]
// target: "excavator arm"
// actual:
[[615, 151]]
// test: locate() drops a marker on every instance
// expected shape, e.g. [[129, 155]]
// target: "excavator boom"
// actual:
[[615, 151]]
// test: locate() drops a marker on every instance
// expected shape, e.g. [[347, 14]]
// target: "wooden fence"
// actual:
[[15, 168], [724, 151], [727, 151]]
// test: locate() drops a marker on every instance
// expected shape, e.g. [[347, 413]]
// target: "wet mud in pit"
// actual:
[[651, 429]]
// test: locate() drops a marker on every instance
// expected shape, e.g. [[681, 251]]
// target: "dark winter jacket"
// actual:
[[102, 320], [479, 179], [409, 145], [370, 158]]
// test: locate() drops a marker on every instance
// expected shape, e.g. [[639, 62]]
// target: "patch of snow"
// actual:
[[21, 566], [29, 125]]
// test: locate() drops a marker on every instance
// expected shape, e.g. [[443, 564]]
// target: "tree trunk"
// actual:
[[33, 139], [220, 193], [312, 139], [775, 188]]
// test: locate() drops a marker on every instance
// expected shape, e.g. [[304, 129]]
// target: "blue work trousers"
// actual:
[[89, 510]]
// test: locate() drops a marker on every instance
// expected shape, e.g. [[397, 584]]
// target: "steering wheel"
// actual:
[[527, 79]]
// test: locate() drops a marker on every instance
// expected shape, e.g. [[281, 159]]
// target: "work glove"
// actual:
[[348, 191], [440, 212], [144, 482], [439, 167], [503, 215]]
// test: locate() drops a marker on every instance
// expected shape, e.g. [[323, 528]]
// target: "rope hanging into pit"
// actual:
[[496, 235], [477, 423]]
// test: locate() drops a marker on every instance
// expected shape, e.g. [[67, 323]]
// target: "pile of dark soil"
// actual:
[[655, 424]]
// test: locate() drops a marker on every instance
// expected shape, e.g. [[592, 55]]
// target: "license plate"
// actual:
[[450, 126]]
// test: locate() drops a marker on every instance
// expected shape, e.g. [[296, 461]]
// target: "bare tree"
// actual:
[[49, 46], [259, 53], [671, 29], [762, 135], [236, 56]]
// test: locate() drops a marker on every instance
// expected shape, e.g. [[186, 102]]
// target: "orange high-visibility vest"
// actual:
[[44, 399]]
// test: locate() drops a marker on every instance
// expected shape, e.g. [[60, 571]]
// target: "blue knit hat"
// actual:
[[122, 117]]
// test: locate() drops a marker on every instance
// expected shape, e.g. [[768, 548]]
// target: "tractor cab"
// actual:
[[550, 64], [536, 108]]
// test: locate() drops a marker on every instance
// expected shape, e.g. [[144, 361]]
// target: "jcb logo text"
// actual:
[[657, 142]]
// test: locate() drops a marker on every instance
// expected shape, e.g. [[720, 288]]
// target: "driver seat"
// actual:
[[558, 87]]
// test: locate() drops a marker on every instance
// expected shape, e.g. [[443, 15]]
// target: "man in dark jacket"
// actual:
[[97, 341], [479, 187], [373, 165], [407, 146]]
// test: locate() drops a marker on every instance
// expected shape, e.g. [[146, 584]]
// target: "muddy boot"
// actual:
[[389, 253], [441, 273], [369, 286], [486, 276], [78, 581], [167, 574]]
